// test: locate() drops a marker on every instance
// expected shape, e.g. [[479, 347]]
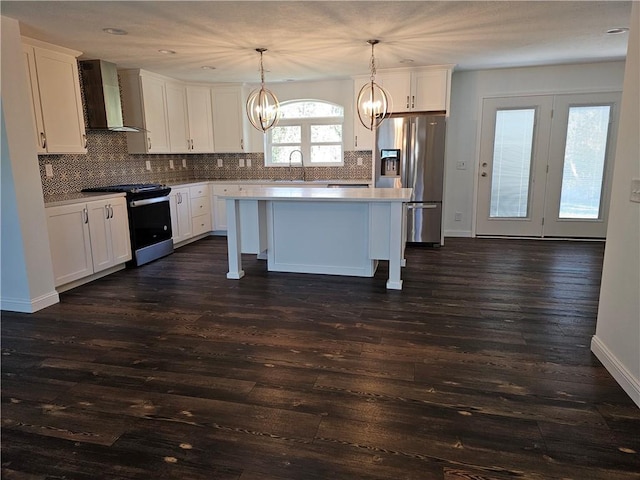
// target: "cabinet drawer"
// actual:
[[201, 224], [200, 206], [199, 191]]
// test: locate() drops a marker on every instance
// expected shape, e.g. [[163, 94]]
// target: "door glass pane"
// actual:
[[512, 154], [584, 156]]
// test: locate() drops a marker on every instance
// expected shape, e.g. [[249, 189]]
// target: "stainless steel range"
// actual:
[[149, 219]]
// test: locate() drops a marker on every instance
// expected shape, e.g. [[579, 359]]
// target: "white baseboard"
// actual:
[[618, 371], [29, 305], [458, 233]]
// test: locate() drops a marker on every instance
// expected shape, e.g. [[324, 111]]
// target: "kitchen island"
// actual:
[[335, 231]]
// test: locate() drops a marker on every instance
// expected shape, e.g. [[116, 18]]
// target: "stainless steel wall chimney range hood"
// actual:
[[102, 96]]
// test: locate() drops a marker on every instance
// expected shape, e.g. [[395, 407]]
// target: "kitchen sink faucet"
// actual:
[[304, 177]]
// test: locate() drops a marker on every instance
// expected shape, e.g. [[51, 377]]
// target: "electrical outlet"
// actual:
[[48, 169], [171, 165], [184, 163], [635, 190], [461, 165], [219, 162], [147, 164], [241, 162], [458, 216], [248, 162], [360, 161]]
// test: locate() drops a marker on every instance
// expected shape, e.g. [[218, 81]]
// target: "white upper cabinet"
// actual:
[[177, 120], [176, 115], [56, 107], [227, 119], [189, 117], [200, 118], [422, 90], [144, 103]]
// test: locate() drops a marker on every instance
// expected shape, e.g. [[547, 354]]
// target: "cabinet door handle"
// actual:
[[148, 143], [242, 144], [85, 215], [407, 101], [413, 101], [106, 209], [43, 140], [84, 140], [356, 141], [111, 208], [179, 197]]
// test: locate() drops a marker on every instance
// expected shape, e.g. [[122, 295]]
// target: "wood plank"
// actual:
[[480, 368]]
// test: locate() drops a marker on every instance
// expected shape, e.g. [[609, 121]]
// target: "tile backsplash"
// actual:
[[107, 162]]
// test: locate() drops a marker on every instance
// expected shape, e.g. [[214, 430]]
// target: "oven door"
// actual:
[[149, 221]]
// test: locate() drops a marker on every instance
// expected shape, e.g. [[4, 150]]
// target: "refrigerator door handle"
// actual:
[[420, 206]]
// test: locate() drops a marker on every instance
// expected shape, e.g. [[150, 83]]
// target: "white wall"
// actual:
[[467, 91], [617, 339], [27, 282]]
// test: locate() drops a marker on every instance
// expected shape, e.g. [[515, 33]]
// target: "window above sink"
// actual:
[[312, 127]]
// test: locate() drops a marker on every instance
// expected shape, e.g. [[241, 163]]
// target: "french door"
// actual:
[[545, 165]]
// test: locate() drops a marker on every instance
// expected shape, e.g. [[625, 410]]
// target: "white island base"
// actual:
[[335, 231]]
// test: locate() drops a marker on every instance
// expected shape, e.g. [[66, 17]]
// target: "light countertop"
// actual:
[[320, 194], [78, 197], [274, 182]]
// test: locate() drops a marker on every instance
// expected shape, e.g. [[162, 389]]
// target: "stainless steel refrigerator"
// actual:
[[409, 153]]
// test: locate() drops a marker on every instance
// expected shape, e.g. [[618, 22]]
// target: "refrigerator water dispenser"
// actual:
[[390, 162]]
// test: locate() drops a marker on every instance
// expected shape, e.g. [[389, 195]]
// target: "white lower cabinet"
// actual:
[[200, 209], [180, 214], [219, 205], [87, 238], [190, 212]]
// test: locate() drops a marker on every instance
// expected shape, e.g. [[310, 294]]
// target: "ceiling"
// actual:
[[308, 40]]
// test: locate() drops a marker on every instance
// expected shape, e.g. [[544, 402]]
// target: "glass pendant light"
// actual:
[[263, 108], [374, 103]]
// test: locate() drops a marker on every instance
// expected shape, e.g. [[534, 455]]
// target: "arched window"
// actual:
[[313, 127]]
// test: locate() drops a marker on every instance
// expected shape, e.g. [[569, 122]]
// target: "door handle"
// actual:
[[421, 206], [148, 143], [84, 140], [106, 209], [484, 174], [43, 140], [85, 215], [413, 101], [407, 101]]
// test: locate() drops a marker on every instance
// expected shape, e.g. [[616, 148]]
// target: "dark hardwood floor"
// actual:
[[479, 369]]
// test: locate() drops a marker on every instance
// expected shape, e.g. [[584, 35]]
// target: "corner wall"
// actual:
[[617, 339], [27, 271]]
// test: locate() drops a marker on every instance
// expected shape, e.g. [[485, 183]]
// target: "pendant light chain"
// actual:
[[373, 63]]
